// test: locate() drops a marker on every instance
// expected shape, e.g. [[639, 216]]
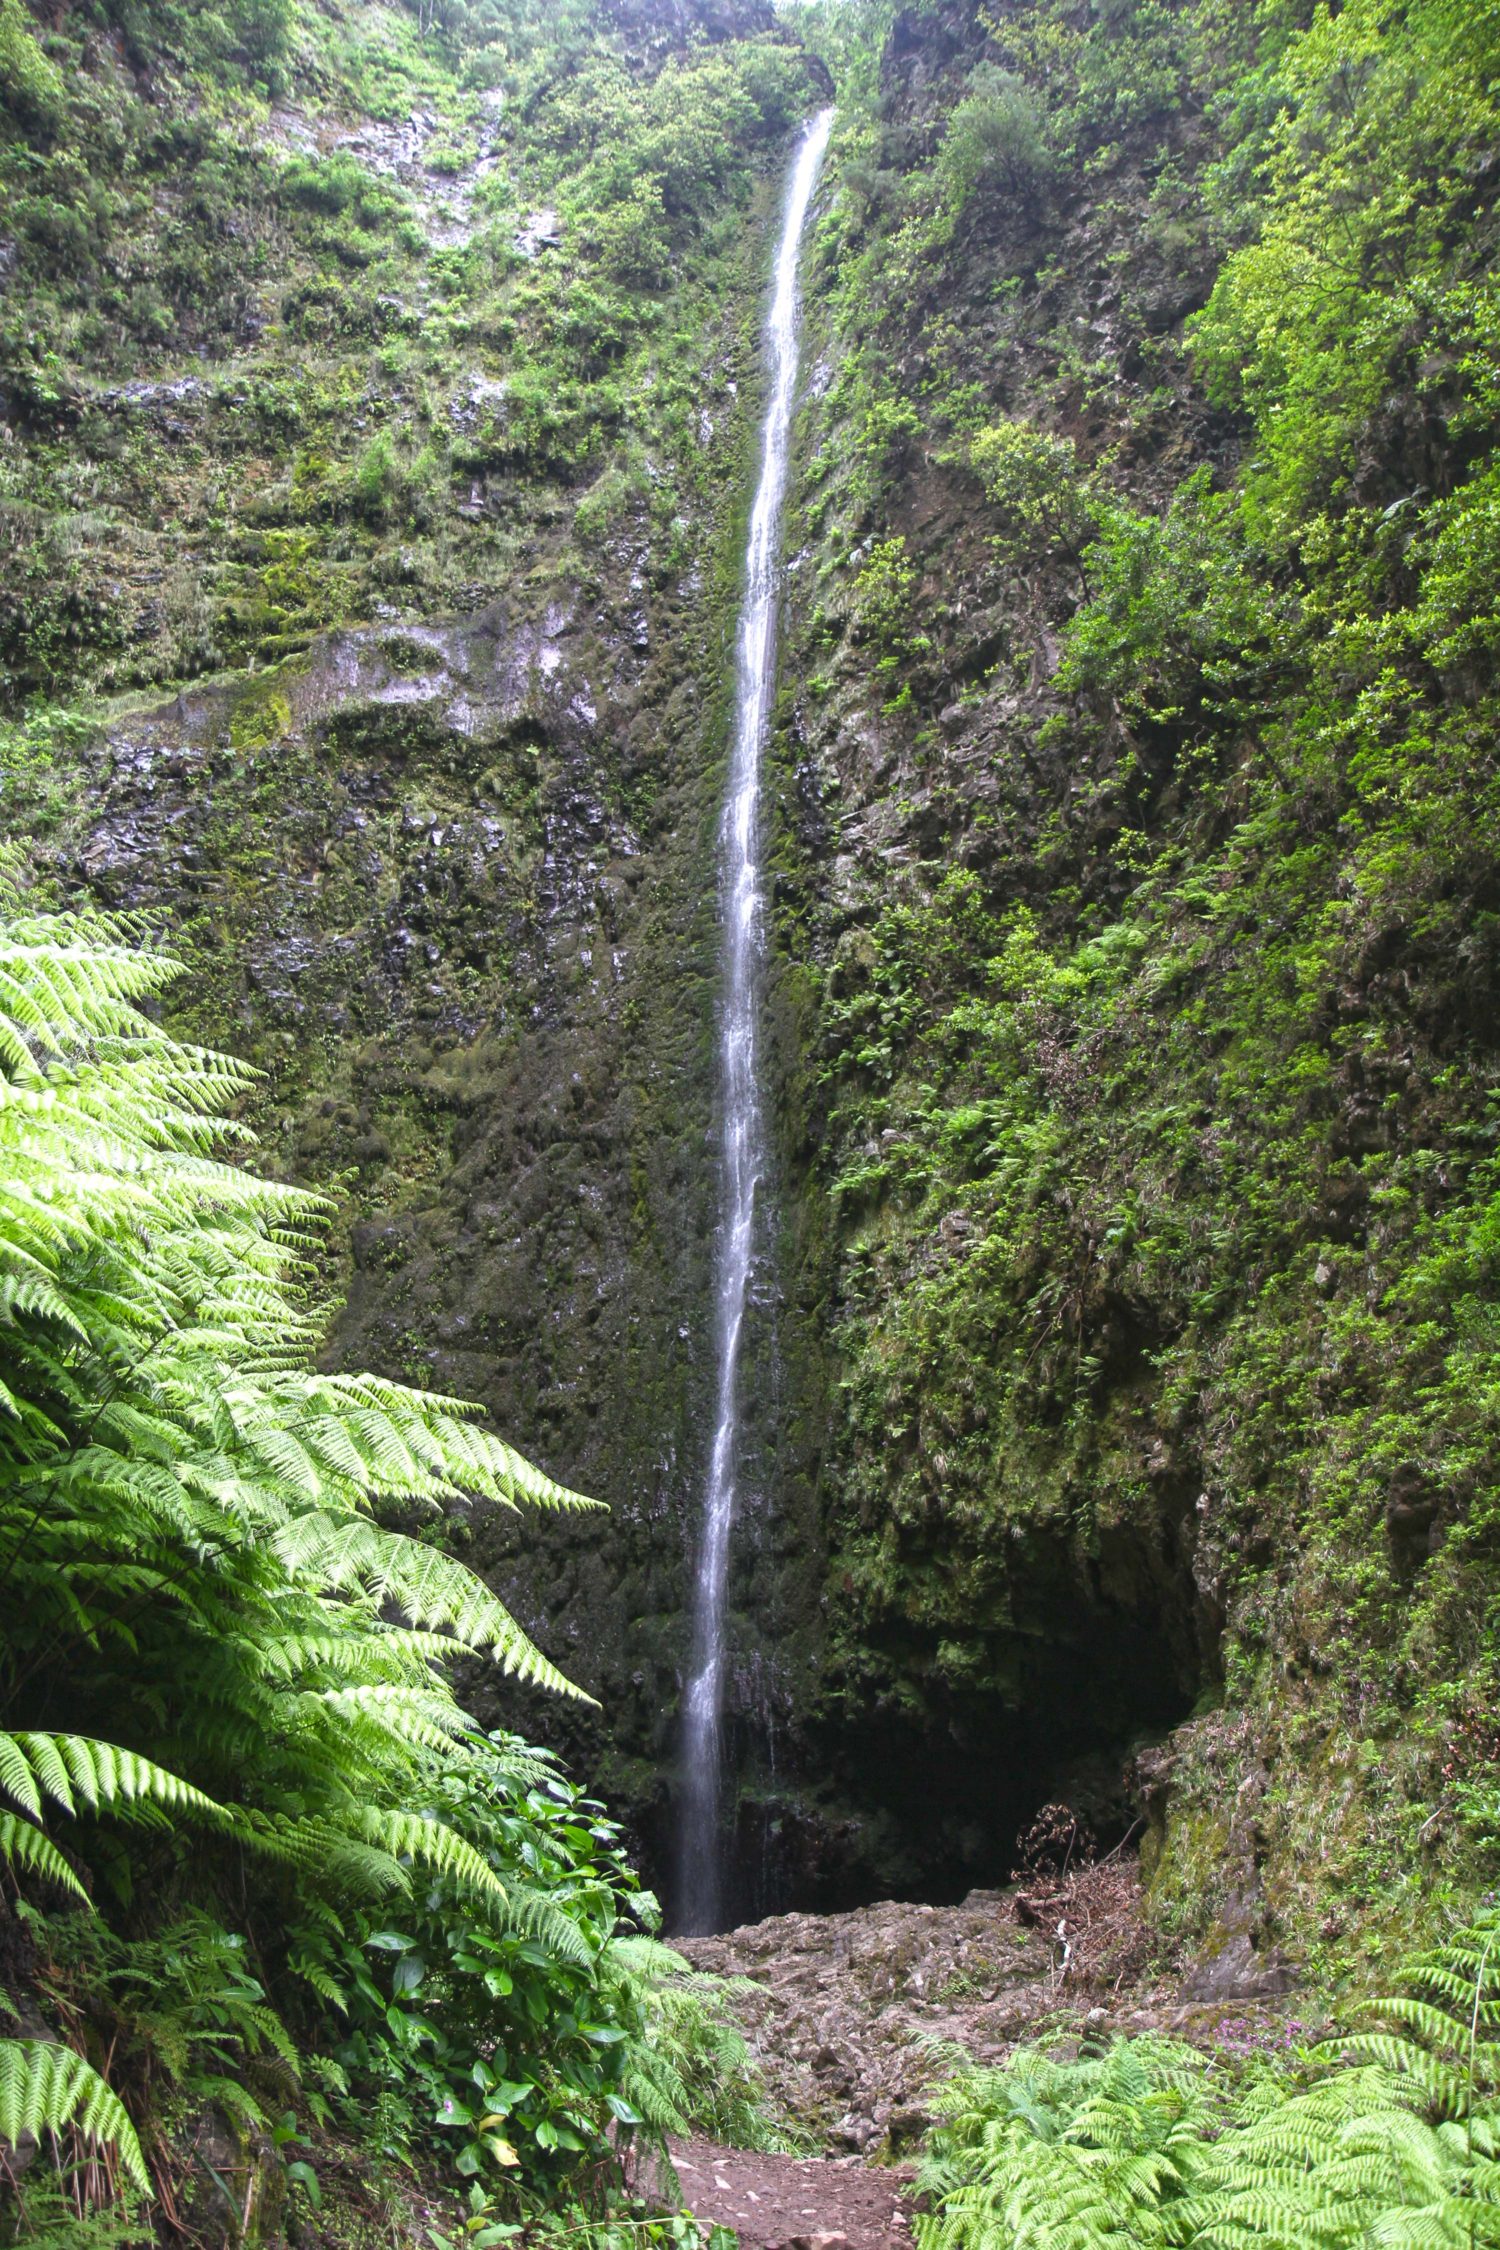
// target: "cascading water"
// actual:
[[742, 1128]]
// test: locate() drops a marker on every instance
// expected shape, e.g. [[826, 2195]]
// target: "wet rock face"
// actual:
[[925, 43], [1021, 1586], [449, 882], [445, 885], [446, 872]]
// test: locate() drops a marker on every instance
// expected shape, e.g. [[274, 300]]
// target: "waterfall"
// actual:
[[742, 1127]]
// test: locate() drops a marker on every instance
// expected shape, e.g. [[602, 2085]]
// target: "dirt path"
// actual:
[[795, 2202]]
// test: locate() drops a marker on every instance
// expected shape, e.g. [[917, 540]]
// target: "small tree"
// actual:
[[995, 138], [1041, 490]]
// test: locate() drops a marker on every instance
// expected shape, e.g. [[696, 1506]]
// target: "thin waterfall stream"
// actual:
[[742, 1125]]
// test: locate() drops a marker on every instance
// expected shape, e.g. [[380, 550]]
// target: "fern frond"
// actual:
[[1435, 2025], [433, 1589], [67, 1767], [1444, 2087], [649, 1958], [431, 1844], [26, 1847], [48, 2089], [535, 1916]]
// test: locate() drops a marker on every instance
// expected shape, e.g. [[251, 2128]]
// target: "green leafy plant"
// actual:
[[190, 1550], [1390, 2136], [541, 2034], [193, 1552], [1037, 483], [995, 140]]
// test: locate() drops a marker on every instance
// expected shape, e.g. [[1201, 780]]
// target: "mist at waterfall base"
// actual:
[[742, 1130]]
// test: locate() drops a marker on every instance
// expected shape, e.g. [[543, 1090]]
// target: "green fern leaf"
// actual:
[[67, 1767], [48, 2089], [26, 1847]]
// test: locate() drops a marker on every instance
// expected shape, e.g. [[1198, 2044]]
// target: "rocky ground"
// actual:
[[844, 2009], [853, 2016]]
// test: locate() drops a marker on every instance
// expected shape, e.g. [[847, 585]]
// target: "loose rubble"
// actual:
[[854, 2017]]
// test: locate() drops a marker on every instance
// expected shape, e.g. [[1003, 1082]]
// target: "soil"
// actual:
[[795, 2202]]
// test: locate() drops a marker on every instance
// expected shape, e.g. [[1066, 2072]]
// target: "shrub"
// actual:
[[1042, 493], [1177, 619], [31, 87], [376, 479], [884, 588], [995, 138], [532, 2038], [338, 185]]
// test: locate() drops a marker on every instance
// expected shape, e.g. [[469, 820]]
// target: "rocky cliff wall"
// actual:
[[375, 443], [1136, 938]]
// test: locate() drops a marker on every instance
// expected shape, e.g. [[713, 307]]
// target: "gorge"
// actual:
[[879, 933]]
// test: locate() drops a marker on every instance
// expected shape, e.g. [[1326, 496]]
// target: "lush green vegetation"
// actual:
[[391, 338], [1137, 871], [1157, 1031], [345, 279], [262, 1866], [257, 1854], [1388, 2136]]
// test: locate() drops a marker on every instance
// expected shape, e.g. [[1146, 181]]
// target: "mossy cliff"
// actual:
[[1138, 929]]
